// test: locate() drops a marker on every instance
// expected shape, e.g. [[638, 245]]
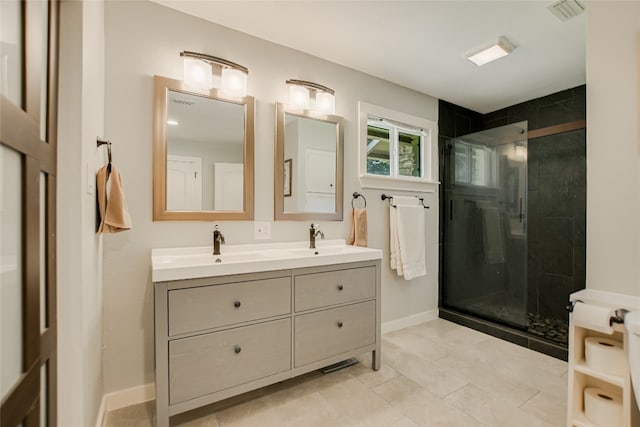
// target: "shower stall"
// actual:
[[513, 231], [485, 241]]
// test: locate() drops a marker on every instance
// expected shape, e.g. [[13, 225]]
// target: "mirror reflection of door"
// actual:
[[184, 183], [211, 131], [320, 181], [312, 145], [228, 186]]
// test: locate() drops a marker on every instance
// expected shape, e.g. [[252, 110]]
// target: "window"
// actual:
[[396, 150], [475, 164]]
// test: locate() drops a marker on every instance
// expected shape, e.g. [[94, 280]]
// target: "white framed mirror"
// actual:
[[203, 154], [308, 165]]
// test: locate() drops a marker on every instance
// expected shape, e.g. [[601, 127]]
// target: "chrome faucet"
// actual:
[[313, 232], [218, 239]]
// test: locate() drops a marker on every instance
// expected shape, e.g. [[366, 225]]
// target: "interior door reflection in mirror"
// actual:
[[310, 165], [205, 153]]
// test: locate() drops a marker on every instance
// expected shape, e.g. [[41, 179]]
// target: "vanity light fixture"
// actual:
[[311, 96], [209, 72], [172, 122], [502, 47]]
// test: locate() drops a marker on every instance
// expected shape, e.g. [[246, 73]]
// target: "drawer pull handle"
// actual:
[[237, 349], [339, 324], [237, 304], [340, 287]]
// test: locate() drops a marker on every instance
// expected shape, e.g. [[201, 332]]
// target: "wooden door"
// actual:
[[28, 118]]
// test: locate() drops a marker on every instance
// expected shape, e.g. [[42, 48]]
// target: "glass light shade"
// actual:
[[325, 103], [299, 96], [234, 82], [197, 73]]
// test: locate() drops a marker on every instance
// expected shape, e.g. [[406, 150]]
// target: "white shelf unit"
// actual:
[[582, 376]]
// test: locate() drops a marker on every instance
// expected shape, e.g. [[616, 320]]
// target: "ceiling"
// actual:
[[421, 44]]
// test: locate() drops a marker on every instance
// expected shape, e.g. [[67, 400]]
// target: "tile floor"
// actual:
[[434, 374]]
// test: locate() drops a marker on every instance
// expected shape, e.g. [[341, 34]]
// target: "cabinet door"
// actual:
[[213, 362], [328, 333]]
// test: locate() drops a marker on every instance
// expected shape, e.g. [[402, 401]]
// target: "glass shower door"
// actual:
[[485, 230]]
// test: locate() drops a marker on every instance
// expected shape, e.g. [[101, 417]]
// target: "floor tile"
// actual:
[[490, 410], [434, 374]]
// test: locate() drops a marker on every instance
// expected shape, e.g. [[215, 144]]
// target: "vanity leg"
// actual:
[[375, 358], [162, 354], [162, 415]]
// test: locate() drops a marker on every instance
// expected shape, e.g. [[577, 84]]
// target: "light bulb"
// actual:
[[325, 103], [299, 96], [234, 82], [197, 73]]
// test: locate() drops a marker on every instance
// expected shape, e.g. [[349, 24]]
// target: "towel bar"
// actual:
[[390, 198]]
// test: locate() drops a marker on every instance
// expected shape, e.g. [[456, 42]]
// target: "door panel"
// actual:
[[485, 233], [10, 273], [28, 99]]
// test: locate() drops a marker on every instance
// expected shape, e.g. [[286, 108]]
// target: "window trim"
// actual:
[[429, 150]]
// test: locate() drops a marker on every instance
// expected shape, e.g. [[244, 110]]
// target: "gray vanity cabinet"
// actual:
[[218, 337]]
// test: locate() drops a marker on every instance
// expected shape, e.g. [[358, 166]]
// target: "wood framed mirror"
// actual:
[[308, 165], [203, 154]]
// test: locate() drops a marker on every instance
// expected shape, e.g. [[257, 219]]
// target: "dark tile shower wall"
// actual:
[[556, 193]]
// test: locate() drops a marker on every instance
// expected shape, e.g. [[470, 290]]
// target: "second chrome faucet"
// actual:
[[314, 231], [218, 239]]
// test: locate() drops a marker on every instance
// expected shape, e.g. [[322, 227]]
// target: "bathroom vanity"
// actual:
[[258, 314]]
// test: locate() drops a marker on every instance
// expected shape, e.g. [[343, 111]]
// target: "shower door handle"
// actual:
[[451, 210], [520, 209]]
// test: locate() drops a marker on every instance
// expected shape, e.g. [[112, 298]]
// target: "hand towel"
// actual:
[[114, 214], [358, 234], [411, 240], [395, 245]]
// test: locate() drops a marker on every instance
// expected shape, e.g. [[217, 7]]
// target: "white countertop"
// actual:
[[194, 262]]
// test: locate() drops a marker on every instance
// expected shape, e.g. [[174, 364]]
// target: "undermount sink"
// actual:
[[189, 263]]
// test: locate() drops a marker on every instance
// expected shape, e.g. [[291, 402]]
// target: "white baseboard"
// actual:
[[123, 398], [405, 322]]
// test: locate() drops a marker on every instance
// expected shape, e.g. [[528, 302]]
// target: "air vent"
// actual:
[[182, 102], [566, 9]]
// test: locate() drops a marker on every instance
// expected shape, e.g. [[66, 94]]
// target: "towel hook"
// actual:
[[355, 196], [100, 142]]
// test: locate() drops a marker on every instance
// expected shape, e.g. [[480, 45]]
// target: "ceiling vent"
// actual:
[[182, 102], [566, 9]]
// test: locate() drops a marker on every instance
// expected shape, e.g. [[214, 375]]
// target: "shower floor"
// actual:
[[508, 309]]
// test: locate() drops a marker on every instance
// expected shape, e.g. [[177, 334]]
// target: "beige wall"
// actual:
[[80, 297], [143, 39], [613, 168]]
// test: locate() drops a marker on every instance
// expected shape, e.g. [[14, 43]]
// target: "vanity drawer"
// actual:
[[213, 362], [206, 307], [334, 287], [330, 332]]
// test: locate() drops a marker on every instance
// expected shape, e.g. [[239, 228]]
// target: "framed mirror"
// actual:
[[202, 154], [308, 165]]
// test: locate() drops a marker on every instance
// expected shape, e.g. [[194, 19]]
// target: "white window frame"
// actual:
[[403, 122]]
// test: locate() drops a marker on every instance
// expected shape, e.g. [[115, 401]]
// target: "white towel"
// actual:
[[407, 237]]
